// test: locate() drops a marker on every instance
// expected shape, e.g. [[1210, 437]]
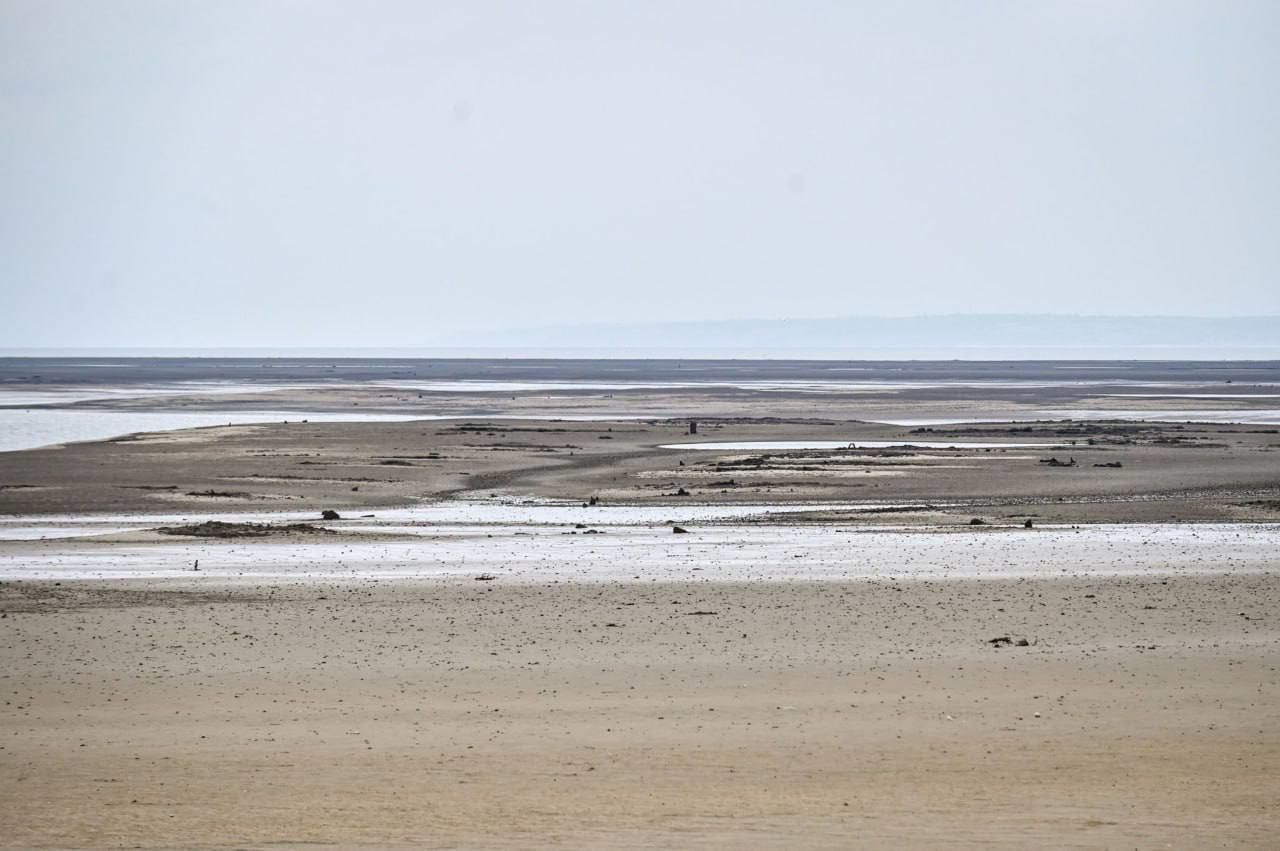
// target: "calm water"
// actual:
[[28, 428]]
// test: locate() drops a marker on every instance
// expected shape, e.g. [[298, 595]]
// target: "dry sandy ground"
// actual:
[[1144, 713]]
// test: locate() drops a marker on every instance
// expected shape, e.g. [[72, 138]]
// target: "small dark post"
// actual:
[[693, 426]]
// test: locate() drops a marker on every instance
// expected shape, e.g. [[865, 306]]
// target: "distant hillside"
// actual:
[[979, 331]]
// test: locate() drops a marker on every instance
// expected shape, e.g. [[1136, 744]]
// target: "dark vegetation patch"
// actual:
[[219, 529], [1063, 429], [494, 429], [817, 460], [722, 421], [1090, 434], [897, 509]]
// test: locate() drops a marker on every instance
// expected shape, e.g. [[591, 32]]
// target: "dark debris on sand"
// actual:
[[219, 529]]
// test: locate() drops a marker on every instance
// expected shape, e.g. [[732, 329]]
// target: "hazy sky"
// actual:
[[385, 173]]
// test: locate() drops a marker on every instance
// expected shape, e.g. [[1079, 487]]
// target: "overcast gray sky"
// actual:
[[385, 173]]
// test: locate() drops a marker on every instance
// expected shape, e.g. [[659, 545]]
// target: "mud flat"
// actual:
[[620, 545], [1053, 472]]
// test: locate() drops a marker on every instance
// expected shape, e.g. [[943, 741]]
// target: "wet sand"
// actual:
[[596, 546]]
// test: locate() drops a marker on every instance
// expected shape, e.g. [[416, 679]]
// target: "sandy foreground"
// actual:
[[1143, 712]]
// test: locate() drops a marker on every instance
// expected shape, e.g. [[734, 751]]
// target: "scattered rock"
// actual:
[[330, 514], [977, 521], [679, 530]]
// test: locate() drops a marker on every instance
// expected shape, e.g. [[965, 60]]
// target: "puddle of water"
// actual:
[[30, 428], [855, 444], [936, 421]]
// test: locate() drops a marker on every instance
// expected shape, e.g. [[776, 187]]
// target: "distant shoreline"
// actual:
[[123, 368], [913, 354]]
